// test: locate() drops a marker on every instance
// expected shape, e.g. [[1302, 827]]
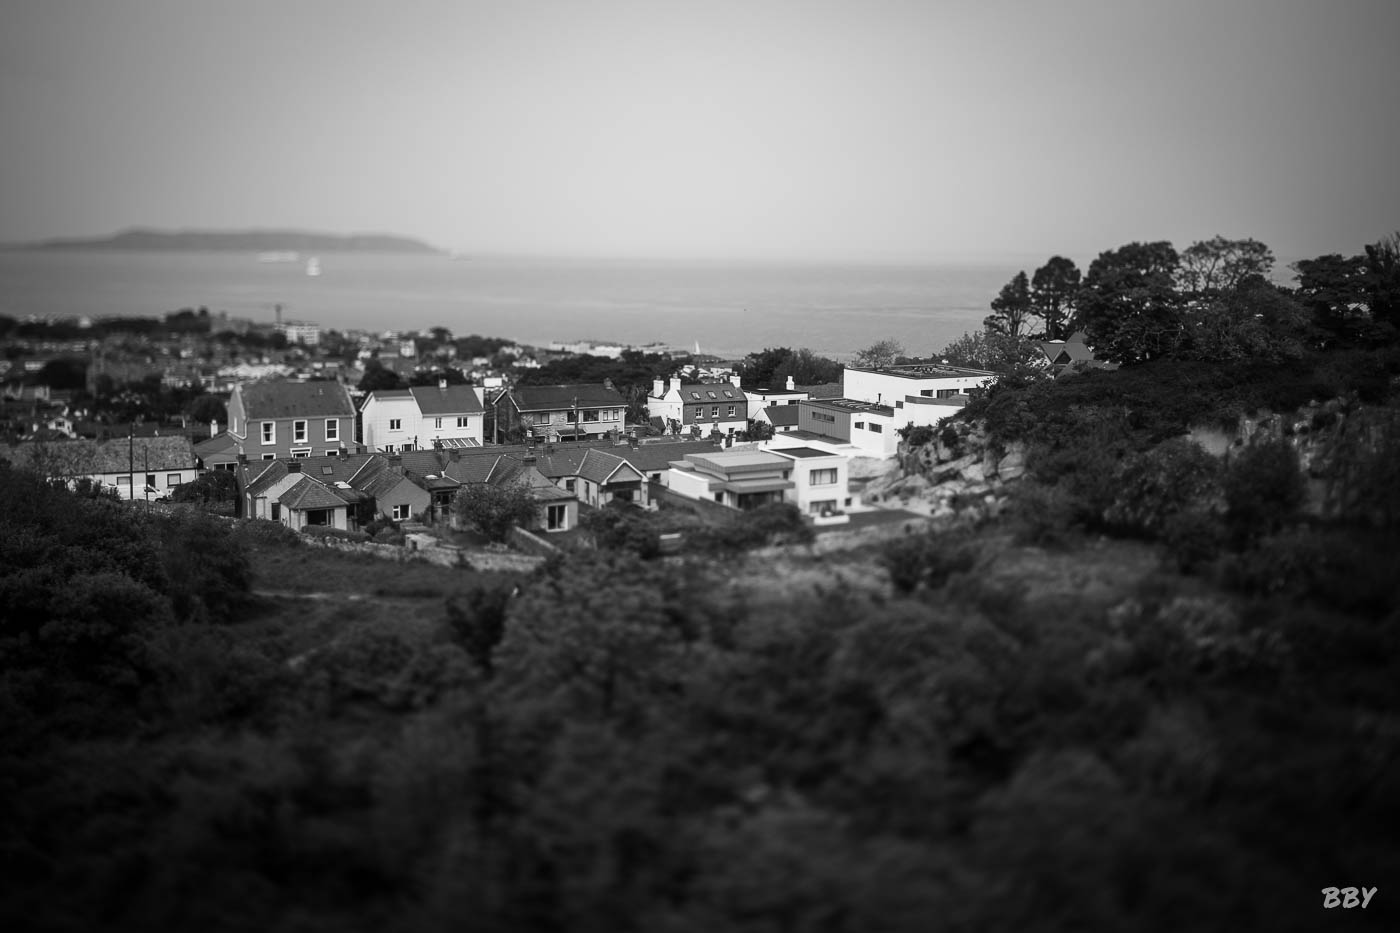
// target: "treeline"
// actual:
[[1213, 301]]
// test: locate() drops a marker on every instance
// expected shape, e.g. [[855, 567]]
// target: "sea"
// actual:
[[726, 308]]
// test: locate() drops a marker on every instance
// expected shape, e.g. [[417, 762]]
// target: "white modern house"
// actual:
[[814, 479], [422, 417], [889, 385], [821, 479]]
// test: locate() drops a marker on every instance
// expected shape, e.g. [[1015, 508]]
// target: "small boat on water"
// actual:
[[313, 266]]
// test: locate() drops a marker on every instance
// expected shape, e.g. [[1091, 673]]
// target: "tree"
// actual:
[[806, 368], [1332, 288], [1053, 290], [207, 408], [1253, 321], [1129, 304], [1382, 279], [495, 510], [454, 377], [757, 369], [1209, 267], [879, 354], [377, 379], [1011, 309], [215, 486]]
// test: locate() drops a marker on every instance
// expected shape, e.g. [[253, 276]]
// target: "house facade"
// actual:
[[268, 420], [558, 412], [821, 479], [870, 428], [396, 420], [710, 406], [895, 386]]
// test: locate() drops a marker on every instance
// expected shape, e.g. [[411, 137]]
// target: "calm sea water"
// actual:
[[728, 308]]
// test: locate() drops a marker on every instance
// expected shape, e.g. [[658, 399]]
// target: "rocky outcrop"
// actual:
[[961, 471]]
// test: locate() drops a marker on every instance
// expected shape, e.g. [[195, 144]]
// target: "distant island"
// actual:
[[248, 241]]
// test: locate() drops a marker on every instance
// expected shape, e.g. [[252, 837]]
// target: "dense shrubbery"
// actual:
[[325, 532]]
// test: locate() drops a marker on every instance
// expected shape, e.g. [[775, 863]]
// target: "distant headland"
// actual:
[[254, 241]]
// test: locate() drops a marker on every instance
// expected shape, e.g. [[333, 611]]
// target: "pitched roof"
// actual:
[[309, 494], [711, 392], [119, 455], [453, 400], [652, 457], [557, 398], [220, 443], [599, 467], [272, 400]]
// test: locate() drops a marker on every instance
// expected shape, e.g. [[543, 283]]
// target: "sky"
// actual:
[[861, 130]]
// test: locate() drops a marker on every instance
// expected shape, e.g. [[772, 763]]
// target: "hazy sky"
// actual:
[[860, 129]]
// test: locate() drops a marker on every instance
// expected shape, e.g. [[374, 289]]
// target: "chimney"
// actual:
[[214, 428], [442, 384], [396, 463], [791, 387], [243, 458], [342, 453], [658, 388], [293, 466], [454, 454], [607, 383], [675, 383], [735, 379]]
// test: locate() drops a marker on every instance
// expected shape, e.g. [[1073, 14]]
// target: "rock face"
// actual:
[[959, 473]]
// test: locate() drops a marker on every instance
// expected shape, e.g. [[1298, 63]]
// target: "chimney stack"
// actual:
[[658, 388], [442, 384], [675, 383], [396, 463], [735, 379], [214, 428], [791, 386], [293, 466]]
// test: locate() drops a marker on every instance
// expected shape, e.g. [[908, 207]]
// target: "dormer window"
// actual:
[[712, 395], [695, 395]]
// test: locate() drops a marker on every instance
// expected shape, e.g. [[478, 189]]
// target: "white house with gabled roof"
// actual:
[[422, 417]]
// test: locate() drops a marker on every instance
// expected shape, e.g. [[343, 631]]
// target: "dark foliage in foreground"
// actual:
[[639, 745]]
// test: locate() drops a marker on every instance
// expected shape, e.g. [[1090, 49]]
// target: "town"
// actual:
[[363, 433]]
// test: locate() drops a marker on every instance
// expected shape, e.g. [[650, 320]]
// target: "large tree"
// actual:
[[1011, 309], [495, 510], [1129, 304], [1210, 267], [1382, 279], [881, 353], [1053, 290]]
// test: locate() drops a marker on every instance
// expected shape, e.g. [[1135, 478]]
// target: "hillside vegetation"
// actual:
[[963, 730]]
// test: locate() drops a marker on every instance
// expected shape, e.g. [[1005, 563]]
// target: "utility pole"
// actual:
[[131, 463]]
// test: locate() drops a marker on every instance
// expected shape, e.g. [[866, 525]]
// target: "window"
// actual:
[[269, 432], [714, 412], [388, 448], [656, 477], [731, 411], [556, 517], [327, 471], [331, 452], [318, 517], [172, 479], [712, 395], [695, 395], [301, 453], [590, 416], [437, 422], [395, 424], [823, 416], [276, 511], [947, 393], [823, 477], [230, 467], [719, 497], [877, 428], [123, 480], [699, 413], [269, 456], [860, 424], [898, 404], [570, 485], [298, 432], [150, 481], [401, 513], [461, 421], [926, 393], [332, 429]]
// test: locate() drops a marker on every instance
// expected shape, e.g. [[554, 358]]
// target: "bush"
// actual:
[[1264, 489], [927, 560], [495, 510], [1193, 539], [623, 528], [260, 532], [1339, 568], [1151, 487], [1040, 515], [325, 532]]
